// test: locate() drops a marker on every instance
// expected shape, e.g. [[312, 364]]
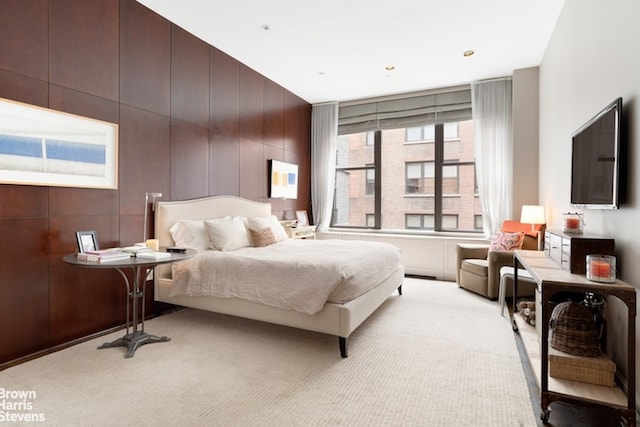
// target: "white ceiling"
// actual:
[[337, 50]]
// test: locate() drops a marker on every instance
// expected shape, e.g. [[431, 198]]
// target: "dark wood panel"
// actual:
[[24, 296], [67, 201], [189, 160], [23, 201], [84, 46], [297, 124], [253, 171], [145, 58], [189, 78], [25, 89], [83, 301], [273, 114], [225, 165], [24, 41], [145, 158], [82, 104], [225, 88], [251, 105]]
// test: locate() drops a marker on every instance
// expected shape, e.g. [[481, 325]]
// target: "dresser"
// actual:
[[570, 251]]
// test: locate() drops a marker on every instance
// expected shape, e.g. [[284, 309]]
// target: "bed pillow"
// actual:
[[262, 222], [227, 234], [262, 238], [502, 241], [188, 233]]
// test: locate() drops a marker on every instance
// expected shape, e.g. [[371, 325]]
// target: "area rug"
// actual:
[[435, 356]]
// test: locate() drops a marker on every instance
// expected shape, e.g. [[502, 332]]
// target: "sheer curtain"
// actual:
[[492, 117], [324, 131]]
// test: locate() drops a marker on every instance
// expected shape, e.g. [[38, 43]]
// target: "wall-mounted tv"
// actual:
[[595, 158]]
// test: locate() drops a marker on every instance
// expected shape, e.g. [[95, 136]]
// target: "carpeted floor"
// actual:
[[436, 356]]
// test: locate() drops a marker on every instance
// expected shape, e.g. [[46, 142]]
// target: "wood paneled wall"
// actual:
[[192, 122]]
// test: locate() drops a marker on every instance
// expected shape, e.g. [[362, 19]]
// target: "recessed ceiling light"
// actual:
[[468, 52], [390, 67], [265, 27]]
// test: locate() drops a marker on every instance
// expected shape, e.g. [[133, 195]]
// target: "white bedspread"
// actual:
[[299, 275]]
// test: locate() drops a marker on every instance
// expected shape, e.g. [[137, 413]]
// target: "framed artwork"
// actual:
[[87, 241], [303, 219], [284, 180], [39, 146]]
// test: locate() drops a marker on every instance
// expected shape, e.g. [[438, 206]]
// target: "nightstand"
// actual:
[[302, 232]]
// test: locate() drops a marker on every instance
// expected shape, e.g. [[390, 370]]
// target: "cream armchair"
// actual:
[[478, 269]]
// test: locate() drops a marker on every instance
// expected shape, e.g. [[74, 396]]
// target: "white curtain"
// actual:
[[493, 140], [324, 131]]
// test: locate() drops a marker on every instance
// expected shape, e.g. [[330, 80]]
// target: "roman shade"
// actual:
[[413, 109]]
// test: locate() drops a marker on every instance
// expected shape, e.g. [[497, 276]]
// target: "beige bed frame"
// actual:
[[334, 319]]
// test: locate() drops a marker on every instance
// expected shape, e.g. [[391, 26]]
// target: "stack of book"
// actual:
[[104, 255], [136, 249], [153, 255]]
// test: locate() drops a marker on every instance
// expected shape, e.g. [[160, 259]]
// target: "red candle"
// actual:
[[572, 223], [599, 269]]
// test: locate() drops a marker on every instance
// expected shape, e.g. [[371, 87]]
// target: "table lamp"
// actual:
[[532, 214]]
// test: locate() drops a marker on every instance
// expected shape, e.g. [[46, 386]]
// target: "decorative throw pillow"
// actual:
[[259, 223], [189, 234], [502, 241], [262, 238], [227, 234]]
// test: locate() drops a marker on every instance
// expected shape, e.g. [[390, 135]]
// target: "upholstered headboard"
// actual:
[[168, 213]]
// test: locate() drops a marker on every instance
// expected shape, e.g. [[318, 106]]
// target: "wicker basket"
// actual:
[[573, 330]]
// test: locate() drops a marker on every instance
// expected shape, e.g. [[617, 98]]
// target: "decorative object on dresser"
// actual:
[[570, 250], [572, 223]]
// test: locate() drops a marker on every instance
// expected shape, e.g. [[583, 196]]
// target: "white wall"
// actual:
[[592, 58]]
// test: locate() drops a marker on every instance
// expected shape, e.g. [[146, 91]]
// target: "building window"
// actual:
[[396, 185], [371, 181], [477, 219], [419, 178]]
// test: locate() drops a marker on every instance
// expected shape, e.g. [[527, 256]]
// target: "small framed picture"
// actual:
[[87, 241], [301, 217]]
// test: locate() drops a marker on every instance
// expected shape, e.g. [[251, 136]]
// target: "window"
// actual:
[[413, 178], [420, 178], [371, 181]]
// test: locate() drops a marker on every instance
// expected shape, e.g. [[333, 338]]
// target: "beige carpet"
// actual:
[[436, 356]]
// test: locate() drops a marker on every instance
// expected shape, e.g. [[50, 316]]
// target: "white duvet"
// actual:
[[295, 274]]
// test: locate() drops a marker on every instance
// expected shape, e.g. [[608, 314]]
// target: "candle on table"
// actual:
[[572, 223], [599, 269]]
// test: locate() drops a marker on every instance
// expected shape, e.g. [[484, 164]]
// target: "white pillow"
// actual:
[[188, 233], [227, 234], [262, 222]]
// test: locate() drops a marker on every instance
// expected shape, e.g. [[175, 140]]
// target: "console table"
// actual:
[[551, 279], [135, 292]]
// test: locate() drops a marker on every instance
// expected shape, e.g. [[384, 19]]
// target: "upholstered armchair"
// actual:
[[478, 268]]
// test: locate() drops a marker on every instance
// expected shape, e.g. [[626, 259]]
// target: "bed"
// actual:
[[334, 318]]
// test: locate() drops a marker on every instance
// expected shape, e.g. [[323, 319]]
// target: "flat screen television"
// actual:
[[595, 160]]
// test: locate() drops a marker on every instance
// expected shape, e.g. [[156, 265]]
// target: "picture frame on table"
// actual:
[[87, 241], [302, 218]]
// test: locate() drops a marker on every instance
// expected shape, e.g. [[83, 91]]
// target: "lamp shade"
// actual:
[[532, 214]]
